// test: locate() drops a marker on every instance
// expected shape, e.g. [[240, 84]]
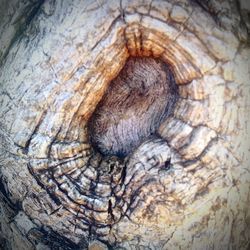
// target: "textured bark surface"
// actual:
[[186, 187]]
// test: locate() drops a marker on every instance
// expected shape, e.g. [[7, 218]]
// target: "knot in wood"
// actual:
[[134, 105]]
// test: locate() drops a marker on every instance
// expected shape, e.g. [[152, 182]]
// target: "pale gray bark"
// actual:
[[189, 188]]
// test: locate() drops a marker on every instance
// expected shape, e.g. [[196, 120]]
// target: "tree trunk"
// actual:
[[184, 184]]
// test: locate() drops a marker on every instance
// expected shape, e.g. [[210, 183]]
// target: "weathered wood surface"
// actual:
[[188, 188]]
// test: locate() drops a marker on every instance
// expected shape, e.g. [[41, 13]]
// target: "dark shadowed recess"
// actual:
[[22, 22], [134, 105]]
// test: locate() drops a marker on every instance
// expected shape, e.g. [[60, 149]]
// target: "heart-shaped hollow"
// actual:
[[134, 105]]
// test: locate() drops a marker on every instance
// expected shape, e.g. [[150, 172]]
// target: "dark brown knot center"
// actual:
[[136, 102]]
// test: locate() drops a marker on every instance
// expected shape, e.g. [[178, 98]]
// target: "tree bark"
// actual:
[[186, 187]]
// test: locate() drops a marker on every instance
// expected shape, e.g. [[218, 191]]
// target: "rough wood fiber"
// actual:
[[133, 107], [185, 188]]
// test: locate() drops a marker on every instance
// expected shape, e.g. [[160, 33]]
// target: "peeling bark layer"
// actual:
[[186, 187]]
